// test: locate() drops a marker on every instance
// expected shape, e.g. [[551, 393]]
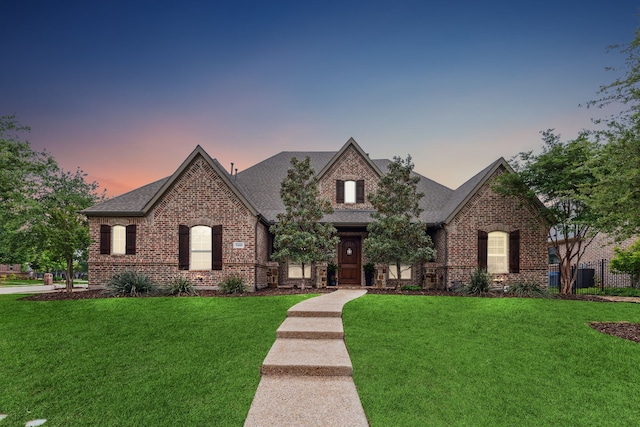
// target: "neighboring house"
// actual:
[[206, 224], [9, 270], [593, 268]]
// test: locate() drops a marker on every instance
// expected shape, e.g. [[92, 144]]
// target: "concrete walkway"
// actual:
[[4, 290], [306, 376]]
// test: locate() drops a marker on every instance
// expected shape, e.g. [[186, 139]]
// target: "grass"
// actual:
[[454, 361], [33, 282], [128, 361]]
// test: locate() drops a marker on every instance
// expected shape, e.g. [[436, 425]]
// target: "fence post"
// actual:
[[602, 261]]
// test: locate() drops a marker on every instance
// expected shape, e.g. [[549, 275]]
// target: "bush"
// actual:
[[479, 283], [411, 288], [621, 292], [130, 283], [232, 285], [528, 288], [180, 286]]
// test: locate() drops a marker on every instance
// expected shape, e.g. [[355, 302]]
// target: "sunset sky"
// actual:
[[127, 89]]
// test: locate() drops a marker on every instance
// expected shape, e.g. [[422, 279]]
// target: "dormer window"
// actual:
[[350, 191]]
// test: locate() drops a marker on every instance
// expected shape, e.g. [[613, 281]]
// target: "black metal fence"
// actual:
[[591, 278]]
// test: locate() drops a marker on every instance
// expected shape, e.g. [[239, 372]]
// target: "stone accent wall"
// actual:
[[350, 167], [489, 211], [198, 197]]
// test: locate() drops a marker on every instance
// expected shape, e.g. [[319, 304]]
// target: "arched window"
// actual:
[[498, 252], [119, 236], [200, 248]]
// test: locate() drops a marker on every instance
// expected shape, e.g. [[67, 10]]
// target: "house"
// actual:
[[12, 270], [206, 224], [593, 268]]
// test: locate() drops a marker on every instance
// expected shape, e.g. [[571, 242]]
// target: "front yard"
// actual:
[[418, 360]]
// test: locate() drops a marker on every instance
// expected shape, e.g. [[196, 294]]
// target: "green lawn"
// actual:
[[126, 362], [453, 361], [437, 361]]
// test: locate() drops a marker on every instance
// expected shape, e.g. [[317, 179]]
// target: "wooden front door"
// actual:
[[349, 261]]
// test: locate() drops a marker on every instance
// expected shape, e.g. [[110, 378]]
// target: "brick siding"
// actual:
[[197, 197]]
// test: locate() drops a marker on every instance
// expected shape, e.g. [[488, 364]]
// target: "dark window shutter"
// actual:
[[514, 251], [105, 239], [216, 247], [360, 191], [483, 242], [183, 247], [339, 191], [130, 246]]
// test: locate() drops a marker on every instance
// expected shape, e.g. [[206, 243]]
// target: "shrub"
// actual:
[[528, 288], [232, 285], [130, 283], [479, 283], [621, 292], [180, 286], [411, 288]]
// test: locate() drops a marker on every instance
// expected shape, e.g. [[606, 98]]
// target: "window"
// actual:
[[405, 272], [201, 248], [350, 191], [118, 233], [118, 240], [497, 253], [295, 271]]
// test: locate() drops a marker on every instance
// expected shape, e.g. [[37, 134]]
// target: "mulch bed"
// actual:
[[626, 330]]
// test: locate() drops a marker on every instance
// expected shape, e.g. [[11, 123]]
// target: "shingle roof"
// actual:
[[259, 187]]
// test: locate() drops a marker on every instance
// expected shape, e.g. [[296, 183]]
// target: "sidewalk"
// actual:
[[306, 376], [6, 290]]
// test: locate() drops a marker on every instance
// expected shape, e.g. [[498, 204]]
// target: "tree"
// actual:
[[63, 232], [39, 205], [561, 179], [21, 183], [396, 234], [616, 197], [299, 236], [628, 261]]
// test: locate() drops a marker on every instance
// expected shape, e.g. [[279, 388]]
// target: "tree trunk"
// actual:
[[69, 278], [303, 277]]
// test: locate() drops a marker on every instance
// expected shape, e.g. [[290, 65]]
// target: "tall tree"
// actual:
[[40, 204], [62, 231], [561, 179], [396, 234], [300, 237], [616, 197], [21, 183]]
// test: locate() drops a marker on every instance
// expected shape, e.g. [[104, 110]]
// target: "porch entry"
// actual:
[[350, 261]]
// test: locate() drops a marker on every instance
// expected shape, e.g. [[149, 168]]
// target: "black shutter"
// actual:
[[183, 247], [514, 251], [105, 239], [360, 191], [216, 247], [130, 246], [483, 242], [339, 191]]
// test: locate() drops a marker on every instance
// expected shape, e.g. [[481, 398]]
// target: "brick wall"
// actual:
[[489, 211], [198, 197], [350, 167]]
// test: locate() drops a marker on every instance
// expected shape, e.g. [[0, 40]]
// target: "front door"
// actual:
[[349, 261]]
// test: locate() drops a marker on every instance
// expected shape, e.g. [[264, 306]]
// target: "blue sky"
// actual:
[[127, 89]]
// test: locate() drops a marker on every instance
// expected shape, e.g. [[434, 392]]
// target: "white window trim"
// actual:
[[497, 252], [406, 271], [200, 248], [349, 192], [294, 271], [118, 239]]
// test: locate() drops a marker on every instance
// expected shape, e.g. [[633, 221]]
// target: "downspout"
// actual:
[[255, 254]]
